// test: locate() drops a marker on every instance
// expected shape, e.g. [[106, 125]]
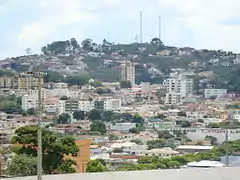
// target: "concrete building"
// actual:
[[219, 173], [30, 100], [178, 86], [128, 72], [28, 82], [7, 82], [217, 93], [67, 106]]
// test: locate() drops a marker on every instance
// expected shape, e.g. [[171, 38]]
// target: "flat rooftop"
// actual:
[[219, 173]]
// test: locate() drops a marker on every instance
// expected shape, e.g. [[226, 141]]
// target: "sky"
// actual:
[[208, 24]]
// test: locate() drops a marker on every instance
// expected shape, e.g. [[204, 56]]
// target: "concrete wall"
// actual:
[[223, 173]]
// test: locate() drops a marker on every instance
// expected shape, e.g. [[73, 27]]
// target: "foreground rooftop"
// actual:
[[219, 173]]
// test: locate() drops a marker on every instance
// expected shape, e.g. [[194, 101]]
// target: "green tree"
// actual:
[[117, 150], [94, 115], [125, 84], [95, 166], [109, 116], [22, 165], [96, 83], [54, 148], [77, 79], [63, 118], [64, 98], [212, 139], [79, 115], [137, 141], [98, 126], [164, 134], [53, 76], [134, 130], [160, 143], [31, 111], [156, 41], [87, 44]]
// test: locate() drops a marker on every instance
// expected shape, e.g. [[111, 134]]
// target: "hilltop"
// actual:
[[154, 61]]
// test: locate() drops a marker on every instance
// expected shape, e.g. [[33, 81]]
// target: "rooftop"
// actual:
[[219, 173]]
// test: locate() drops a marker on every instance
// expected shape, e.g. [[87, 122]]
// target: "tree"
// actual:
[[137, 119], [96, 83], [94, 115], [125, 84], [64, 98], [54, 148], [212, 139], [53, 76], [31, 111], [22, 165], [95, 166], [74, 43], [63, 118], [98, 126], [77, 79], [109, 116], [87, 44], [164, 134], [79, 115], [134, 130], [28, 51], [161, 116], [117, 150], [157, 41]]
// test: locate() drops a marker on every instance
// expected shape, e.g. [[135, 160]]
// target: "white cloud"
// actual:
[[58, 15], [201, 18]]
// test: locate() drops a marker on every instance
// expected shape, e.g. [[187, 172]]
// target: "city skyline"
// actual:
[[29, 24]]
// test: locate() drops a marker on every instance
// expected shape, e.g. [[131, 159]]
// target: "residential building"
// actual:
[[83, 155], [7, 82], [178, 86], [30, 100], [128, 72], [216, 93], [28, 82], [173, 98], [123, 127]]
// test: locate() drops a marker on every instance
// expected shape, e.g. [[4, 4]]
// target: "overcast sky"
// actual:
[[213, 24]]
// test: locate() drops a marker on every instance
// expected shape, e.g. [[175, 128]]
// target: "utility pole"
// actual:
[[40, 76], [227, 151], [40, 108]]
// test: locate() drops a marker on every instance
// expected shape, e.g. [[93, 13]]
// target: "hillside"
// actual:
[[154, 61]]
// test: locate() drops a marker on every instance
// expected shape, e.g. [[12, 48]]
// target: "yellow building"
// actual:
[[83, 155], [28, 82]]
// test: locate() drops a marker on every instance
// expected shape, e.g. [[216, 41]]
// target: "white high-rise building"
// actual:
[[128, 72], [179, 86]]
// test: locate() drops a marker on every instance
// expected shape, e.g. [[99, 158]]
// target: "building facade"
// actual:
[[128, 72]]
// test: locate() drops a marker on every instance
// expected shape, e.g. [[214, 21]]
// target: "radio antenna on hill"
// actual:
[[141, 27], [159, 27]]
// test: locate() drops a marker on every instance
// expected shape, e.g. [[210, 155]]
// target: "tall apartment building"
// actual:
[[128, 72], [178, 86], [28, 82], [7, 82], [30, 100]]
